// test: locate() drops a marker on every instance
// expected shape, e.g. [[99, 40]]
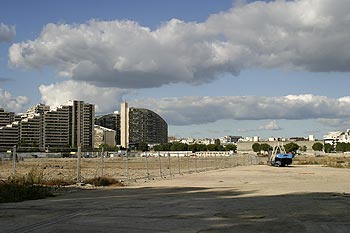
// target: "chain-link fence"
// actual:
[[126, 167]]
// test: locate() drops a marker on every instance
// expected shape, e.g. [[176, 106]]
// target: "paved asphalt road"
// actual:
[[241, 199]]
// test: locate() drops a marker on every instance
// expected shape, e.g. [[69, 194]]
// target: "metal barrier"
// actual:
[[128, 167]]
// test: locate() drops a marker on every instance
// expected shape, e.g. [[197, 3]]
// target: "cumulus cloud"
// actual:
[[306, 34], [7, 33], [105, 99], [272, 125], [201, 110], [10, 103]]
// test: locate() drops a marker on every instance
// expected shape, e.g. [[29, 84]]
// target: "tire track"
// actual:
[[48, 222]]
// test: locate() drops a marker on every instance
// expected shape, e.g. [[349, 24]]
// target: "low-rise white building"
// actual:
[[337, 136]]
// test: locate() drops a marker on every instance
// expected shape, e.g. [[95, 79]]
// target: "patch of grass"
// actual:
[[30, 186], [14, 191], [104, 181], [329, 161], [58, 182]]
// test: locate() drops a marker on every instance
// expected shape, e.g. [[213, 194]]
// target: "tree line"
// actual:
[[178, 146], [293, 147], [289, 147]]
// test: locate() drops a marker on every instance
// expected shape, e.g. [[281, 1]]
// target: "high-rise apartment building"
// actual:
[[9, 135], [66, 126], [141, 125], [56, 127], [82, 123], [30, 131], [6, 118]]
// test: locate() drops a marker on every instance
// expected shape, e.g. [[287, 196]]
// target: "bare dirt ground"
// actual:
[[300, 198], [118, 167]]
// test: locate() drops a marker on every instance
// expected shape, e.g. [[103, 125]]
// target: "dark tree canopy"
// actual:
[[328, 148], [317, 146], [256, 147], [291, 147]]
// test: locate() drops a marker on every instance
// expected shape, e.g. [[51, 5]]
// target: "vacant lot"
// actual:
[[121, 168], [241, 199]]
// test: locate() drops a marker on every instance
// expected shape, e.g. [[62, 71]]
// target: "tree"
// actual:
[[157, 147], [143, 146], [104, 146], [317, 146], [328, 148], [291, 147], [178, 146], [232, 147], [342, 147], [256, 147], [265, 147], [212, 147], [303, 148]]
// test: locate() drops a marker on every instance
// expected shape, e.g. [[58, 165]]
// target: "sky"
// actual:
[[210, 68]]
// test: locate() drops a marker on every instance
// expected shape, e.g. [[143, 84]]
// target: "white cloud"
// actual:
[[306, 34], [10, 103], [201, 110], [7, 33], [105, 99], [272, 125]]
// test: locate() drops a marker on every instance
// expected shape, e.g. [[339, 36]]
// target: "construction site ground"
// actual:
[[261, 198]]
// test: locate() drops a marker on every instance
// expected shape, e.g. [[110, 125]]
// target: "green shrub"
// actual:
[[13, 191]]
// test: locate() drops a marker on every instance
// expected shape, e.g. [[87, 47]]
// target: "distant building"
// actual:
[[6, 118], [9, 135], [110, 121], [57, 128], [311, 137], [141, 125], [229, 139], [82, 121], [337, 136], [104, 136], [66, 126], [30, 130]]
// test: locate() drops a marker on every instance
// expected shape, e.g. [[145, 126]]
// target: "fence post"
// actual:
[[195, 163], [188, 163], [102, 155], [178, 162], [233, 160], [127, 164], [215, 162], [160, 166], [147, 169], [202, 162], [14, 155], [169, 164], [78, 165]]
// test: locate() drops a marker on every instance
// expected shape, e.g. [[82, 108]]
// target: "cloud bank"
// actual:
[[306, 35], [10, 103], [7, 33], [202, 110]]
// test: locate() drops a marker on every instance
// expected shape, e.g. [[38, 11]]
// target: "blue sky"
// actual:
[[210, 68]]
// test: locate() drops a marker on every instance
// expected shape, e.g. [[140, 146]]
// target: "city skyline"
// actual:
[[209, 68]]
